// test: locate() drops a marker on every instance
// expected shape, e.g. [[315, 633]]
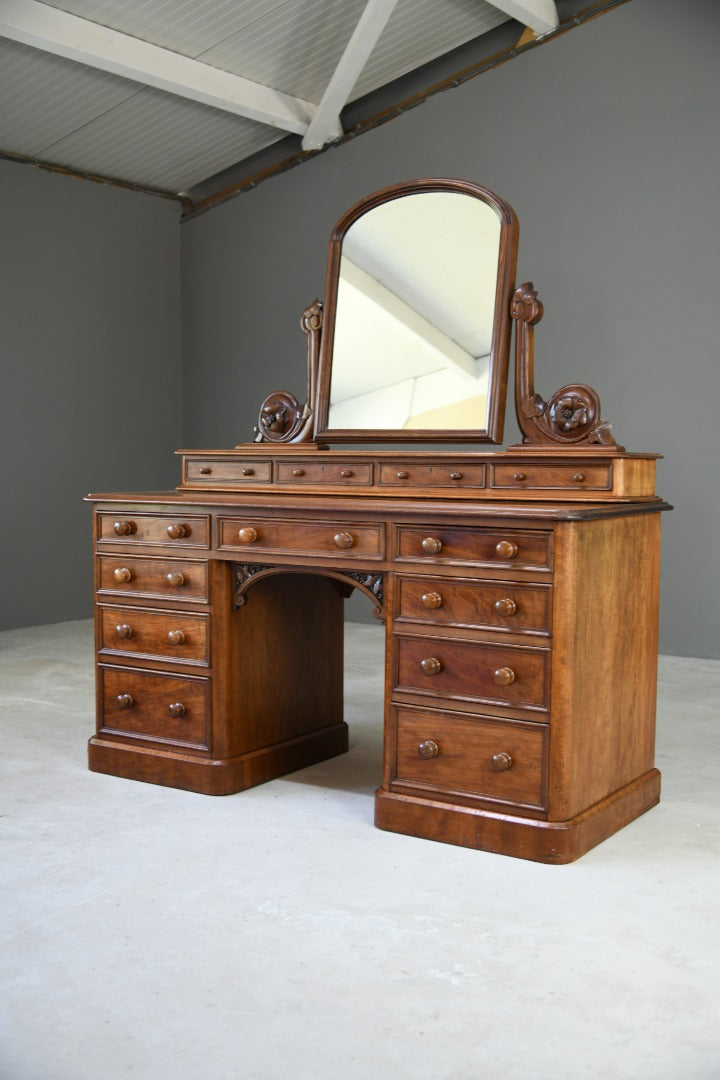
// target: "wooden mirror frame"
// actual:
[[500, 348]]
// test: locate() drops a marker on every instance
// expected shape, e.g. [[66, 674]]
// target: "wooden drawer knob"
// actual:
[[502, 761], [122, 574], [124, 528], [176, 637], [124, 701], [578, 477], [428, 749], [176, 710], [176, 531], [205, 470], [506, 606], [346, 473], [248, 472], [431, 600], [343, 540], [248, 535], [456, 476], [431, 666], [504, 676], [175, 578], [124, 630], [506, 549], [431, 545], [519, 476], [298, 472], [402, 474]]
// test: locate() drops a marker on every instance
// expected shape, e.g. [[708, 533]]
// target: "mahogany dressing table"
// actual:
[[519, 588]]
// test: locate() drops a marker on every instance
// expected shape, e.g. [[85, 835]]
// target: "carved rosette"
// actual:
[[366, 581], [572, 415], [282, 419]]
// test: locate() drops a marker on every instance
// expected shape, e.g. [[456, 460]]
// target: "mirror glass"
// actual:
[[415, 329]]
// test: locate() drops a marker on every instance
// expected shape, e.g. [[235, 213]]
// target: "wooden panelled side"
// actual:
[[604, 671]]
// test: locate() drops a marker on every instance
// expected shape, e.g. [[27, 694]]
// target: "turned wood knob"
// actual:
[[346, 473], [431, 666], [502, 761], [298, 472], [124, 701], [123, 630], [504, 676], [176, 531], [122, 574], [506, 606], [205, 470], [431, 600], [248, 535], [175, 578], [124, 528], [506, 549], [578, 477], [431, 545], [402, 474], [428, 749], [176, 637], [343, 540], [176, 710], [248, 472], [519, 476], [456, 476]]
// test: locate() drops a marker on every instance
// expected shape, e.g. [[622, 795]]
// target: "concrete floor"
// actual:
[[153, 933]]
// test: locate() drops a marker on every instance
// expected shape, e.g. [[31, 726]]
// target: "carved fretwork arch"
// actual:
[[365, 581]]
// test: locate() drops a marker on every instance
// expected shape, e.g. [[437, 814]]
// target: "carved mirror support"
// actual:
[[282, 419], [572, 415]]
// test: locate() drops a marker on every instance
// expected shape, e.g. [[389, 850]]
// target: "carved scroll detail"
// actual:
[[368, 582], [572, 415], [282, 419]]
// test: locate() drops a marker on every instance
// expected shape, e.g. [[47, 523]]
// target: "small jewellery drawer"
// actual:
[[180, 579], [460, 602], [317, 472], [339, 539], [482, 547], [173, 530], [505, 674], [166, 635], [471, 756], [155, 706], [409, 474], [200, 471], [565, 477]]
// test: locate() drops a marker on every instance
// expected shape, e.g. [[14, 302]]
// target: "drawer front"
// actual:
[[503, 674], [166, 635], [172, 530], [203, 471], [155, 706], [315, 472], [473, 756], [333, 539], [482, 547], [560, 477], [408, 474], [459, 602], [175, 579]]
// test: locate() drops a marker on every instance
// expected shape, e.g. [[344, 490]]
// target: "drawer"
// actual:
[[504, 674], [174, 579], [171, 530], [488, 605], [481, 547], [166, 708], [488, 758], [333, 472], [201, 471], [165, 635], [333, 539], [560, 477], [409, 474]]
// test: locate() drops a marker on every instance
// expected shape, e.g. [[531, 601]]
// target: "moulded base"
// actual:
[[209, 776], [523, 838]]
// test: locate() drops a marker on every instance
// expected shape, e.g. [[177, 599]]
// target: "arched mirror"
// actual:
[[416, 324]]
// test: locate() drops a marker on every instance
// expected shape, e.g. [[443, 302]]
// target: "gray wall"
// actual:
[[606, 143], [91, 391]]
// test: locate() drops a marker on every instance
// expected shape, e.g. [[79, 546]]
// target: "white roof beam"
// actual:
[[97, 46], [325, 125], [540, 15]]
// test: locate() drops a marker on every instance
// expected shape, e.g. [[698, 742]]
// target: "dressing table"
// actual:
[[518, 588]]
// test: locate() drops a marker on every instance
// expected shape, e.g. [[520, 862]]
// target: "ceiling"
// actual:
[[167, 95]]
